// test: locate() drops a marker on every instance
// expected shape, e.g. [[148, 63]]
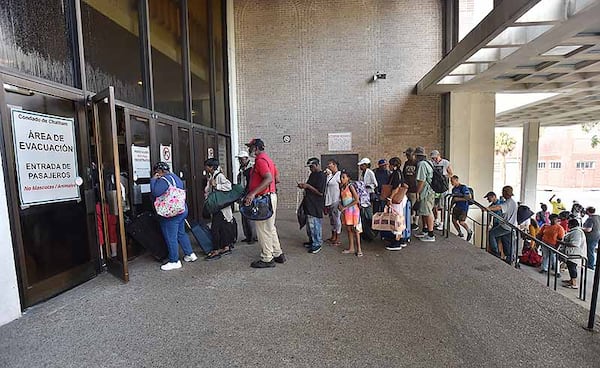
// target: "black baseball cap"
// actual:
[[312, 161], [489, 194], [256, 142]]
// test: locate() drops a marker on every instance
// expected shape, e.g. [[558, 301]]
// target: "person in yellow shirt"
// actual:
[[557, 206]]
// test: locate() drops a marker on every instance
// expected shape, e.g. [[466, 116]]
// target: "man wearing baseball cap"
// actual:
[[243, 178], [425, 195], [314, 202], [382, 175], [367, 176], [263, 177], [409, 174], [443, 167]]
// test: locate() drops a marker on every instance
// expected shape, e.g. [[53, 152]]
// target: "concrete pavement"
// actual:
[[443, 304]]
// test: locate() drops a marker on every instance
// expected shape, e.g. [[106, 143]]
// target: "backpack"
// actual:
[[438, 183], [363, 195]]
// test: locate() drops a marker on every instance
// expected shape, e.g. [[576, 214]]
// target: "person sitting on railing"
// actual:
[[460, 200], [574, 246], [503, 230], [550, 234]]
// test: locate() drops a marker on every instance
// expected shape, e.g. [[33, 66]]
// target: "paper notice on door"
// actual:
[[145, 188], [140, 157]]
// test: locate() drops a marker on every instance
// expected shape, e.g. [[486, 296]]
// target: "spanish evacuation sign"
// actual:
[[46, 157]]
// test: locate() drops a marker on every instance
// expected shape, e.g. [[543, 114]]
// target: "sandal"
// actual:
[[335, 244], [225, 252], [571, 286], [212, 256], [359, 254], [347, 251]]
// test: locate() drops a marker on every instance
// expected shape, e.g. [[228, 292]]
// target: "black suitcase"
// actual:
[[202, 235], [145, 230]]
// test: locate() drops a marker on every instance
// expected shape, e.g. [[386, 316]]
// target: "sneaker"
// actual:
[[262, 264], [307, 244], [191, 258], [460, 235], [543, 271], [171, 266], [404, 244], [414, 227], [314, 251], [428, 238], [394, 246], [280, 258], [420, 235], [439, 227], [469, 235]]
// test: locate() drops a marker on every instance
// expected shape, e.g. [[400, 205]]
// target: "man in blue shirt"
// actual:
[[460, 200]]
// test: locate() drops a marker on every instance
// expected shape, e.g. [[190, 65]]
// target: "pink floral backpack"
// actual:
[[172, 202]]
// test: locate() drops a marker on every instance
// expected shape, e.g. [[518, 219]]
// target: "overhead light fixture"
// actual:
[[561, 50], [140, 82]]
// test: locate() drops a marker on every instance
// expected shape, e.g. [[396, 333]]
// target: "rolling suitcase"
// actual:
[[202, 235], [145, 230]]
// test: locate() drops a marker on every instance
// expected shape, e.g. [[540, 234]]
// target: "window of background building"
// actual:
[[555, 164], [35, 38], [167, 70], [217, 17], [470, 13], [112, 48], [585, 164], [541, 165], [199, 61]]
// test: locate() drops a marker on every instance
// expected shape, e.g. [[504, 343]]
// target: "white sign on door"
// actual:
[[46, 157], [140, 156], [166, 155], [340, 141]]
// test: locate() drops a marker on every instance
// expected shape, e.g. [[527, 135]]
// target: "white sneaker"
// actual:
[[191, 258], [171, 266], [439, 227], [428, 238]]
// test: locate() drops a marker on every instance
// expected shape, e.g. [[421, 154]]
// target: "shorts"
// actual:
[[426, 205], [439, 200], [412, 197], [458, 214]]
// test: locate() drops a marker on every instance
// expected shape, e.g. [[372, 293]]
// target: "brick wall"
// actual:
[[304, 69]]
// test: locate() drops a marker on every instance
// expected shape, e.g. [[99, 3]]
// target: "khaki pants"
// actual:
[[267, 235]]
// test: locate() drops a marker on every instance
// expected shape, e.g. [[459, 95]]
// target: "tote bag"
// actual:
[[388, 220], [172, 202]]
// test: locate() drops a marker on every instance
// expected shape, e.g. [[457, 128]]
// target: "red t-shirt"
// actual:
[[262, 165]]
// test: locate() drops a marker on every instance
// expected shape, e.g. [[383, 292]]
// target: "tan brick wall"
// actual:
[[304, 70]]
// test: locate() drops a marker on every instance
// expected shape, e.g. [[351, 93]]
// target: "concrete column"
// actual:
[[471, 142], [232, 73], [472, 120], [10, 304], [531, 138]]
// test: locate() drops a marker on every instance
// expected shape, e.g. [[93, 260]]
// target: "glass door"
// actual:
[[50, 193], [111, 184]]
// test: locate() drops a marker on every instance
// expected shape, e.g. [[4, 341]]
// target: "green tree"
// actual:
[[593, 129], [504, 144]]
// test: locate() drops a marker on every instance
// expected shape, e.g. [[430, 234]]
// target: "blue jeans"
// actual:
[[500, 232], [314, 230], [591, 256], [173, 230], [548, 257]]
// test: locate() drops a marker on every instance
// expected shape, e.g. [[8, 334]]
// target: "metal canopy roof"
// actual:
[[530, 46]]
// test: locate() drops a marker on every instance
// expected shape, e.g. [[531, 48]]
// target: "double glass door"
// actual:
[[49, 186]]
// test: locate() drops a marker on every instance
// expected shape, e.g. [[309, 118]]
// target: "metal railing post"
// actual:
[[594, 302]]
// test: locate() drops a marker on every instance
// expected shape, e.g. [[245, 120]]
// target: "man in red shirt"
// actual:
[[263, 178]]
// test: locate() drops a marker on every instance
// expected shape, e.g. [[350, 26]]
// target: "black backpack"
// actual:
[[439, 183]]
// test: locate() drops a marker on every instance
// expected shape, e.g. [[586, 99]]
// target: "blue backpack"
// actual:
[[363, 195]]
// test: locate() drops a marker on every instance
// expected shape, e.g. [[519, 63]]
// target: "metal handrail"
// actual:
[[518, 234]]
